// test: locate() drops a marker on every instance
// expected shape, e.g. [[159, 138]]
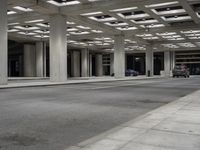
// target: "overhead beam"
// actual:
[[21, 18], [121, 19], [37, 5], [164, 29], [190, 11], [176, 41], [153, 15], [161, 49], [24, 38], [107, 5], [93, 24], [45, 8]]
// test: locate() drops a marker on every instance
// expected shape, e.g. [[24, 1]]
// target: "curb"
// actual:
[[35, 84]]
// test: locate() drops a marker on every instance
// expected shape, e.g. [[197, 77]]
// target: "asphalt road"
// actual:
[[54, 118]]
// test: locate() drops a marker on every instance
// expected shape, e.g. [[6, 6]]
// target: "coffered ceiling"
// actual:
[[92, 24]]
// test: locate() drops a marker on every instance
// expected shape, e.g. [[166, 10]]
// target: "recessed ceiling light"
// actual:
[[26, 28], [27, 33], [153, 26], [116, 24], [123, 9], [43, 25], [70, 22], [34, 21], [80, 33], [23, 9], [161, 4], [92, 13], [15, 23], [191, 31], [9, 12], [72, 29], [83, 27], [63, 3], [102, 18], [166, 33], [126, 28], [97, 31], [41, 36], [42, 31], [12, 30]]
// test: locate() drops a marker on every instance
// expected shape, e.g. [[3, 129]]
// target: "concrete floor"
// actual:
[[54, 118]]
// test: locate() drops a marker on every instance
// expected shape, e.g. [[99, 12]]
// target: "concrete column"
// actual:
[[119, 56], [149, 61], [75, 62], [84, 63], [111, 64], [126, 61], [142, 65], [40, 59], [20, 66], [58, 48], [45, 59], [90, 65], [99, 65], [134, 62], [3, 43], [167, 63], [29, 60], [173, 60]]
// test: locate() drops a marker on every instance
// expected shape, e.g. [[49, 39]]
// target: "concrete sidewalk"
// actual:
[[35, 82], [175, 126]]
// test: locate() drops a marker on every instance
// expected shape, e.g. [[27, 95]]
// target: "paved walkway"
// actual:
[[175, 126], [34, 82]]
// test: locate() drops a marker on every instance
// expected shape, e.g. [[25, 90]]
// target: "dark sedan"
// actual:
[[131, 72]]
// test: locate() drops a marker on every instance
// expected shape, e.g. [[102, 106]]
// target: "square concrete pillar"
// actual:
[[84, 63], [111, 64], [149, 62], [99, 64], [167, 63], [90, 65], [40, 59], [119, 56], [3, 43], [29, 60], [172, 60], [58, 48], [75, 63]]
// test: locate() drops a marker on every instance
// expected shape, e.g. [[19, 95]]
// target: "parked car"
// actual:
[[181, 70], [131, 72]]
